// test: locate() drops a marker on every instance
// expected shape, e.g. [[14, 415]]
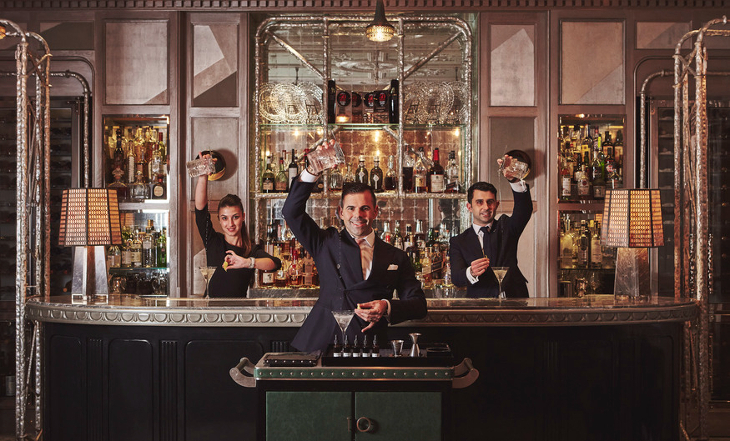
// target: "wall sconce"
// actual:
[[379, 30], [89, 220], [632, 222]]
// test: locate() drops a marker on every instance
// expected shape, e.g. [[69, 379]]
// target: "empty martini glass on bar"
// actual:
[[343, 319], [500, 272], [207, 272]]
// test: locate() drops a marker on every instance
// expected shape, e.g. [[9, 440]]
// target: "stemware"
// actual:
[[207, 272], [343, 319], [500, 272]]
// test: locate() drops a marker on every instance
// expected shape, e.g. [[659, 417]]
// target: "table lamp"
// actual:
[[89, 220], [632, 222]]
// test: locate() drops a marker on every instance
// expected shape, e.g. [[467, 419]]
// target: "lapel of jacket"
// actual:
[[350, 267]]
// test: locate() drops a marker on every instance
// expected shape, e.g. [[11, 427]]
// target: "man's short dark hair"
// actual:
[[481, 186], [357, 187]]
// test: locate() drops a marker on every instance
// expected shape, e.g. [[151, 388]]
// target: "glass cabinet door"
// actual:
[[400, 113], [136, 164]]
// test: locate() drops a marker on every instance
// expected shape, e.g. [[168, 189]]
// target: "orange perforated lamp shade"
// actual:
[[632, 222], [89, 220]]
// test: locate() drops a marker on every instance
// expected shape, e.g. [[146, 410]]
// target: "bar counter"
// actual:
[[550, 368]]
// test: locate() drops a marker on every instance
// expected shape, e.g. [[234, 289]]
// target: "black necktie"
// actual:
[[485, 240]]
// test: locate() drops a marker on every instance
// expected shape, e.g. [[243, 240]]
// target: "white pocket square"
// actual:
[[392, 267]]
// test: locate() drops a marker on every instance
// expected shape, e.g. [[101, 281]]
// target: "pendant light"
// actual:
[[379, 30]]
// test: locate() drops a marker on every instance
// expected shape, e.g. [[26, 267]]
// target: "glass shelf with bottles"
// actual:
[[136, 159], [584, 265], [431, 167], [590, 157]]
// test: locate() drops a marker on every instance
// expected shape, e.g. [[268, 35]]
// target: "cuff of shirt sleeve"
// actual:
[[471, 278], [387, 310], [305, 176], [519, 186]]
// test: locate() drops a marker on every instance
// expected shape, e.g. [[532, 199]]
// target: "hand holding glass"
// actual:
[[511, 167], [201, 166], [326, 156]]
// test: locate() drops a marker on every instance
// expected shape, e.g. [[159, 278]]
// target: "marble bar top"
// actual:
[[591, 310]]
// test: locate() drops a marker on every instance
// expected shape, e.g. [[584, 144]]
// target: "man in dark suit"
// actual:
[[348, 277], [491, 242]]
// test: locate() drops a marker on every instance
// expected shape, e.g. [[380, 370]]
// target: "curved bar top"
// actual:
[[592, 310]]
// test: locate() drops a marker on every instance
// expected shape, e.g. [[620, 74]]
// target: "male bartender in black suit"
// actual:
[[357, 270], [491, 242]]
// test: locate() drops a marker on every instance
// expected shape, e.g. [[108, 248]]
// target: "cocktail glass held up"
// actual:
[[343, 319], [514, 167], [326, 156], [500, 272], [207, 272], [200, 166]]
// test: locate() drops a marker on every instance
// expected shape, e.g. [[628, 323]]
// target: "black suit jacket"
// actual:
[[337, 257], [503, 239]]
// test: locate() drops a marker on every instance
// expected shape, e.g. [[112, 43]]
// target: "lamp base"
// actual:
[[90, 273], [632, 274]]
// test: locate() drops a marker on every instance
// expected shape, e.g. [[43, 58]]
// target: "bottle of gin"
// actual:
[[376, 176], [391, 178], [361, 174]]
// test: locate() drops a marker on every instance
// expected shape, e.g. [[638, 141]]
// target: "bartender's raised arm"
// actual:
[[201, 192], [305, 229]]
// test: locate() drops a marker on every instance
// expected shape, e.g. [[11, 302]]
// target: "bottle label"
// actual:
[[596, 254], [584, 188], [136, 258], [280, 186], [566, 186], [159, 191], [419, 181], [267, 278], [437, 183], [267, 185], [599, 191], [126, 258]]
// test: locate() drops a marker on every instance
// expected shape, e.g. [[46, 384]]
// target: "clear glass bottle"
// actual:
[[453, 184], [596, 250], [139, 188], [361, 174], [281, 182], [149, 250], [136, 250], [268, 178], [583, 246], [376, 176], [420, 178], [391, 177], [349, 177], [162, 249]]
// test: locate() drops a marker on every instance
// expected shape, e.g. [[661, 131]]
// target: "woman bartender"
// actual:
[[231, 252]]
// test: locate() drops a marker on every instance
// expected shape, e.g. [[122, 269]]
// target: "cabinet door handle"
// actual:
[[365, 424]]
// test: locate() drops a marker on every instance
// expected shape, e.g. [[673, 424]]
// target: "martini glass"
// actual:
[[207, 272], [343, 319], [500, 272]]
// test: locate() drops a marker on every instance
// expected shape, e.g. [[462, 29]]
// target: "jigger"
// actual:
[[415, 350]]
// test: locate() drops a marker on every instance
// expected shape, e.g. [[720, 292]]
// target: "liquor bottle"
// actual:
[[136, 250], [159, 188], [419, 237], [393, 102], [336, 347], [391, 177], [295, 271], [613, 179], [618, 151], [361, 174], [597, 140], [349, 177], [131, 162], [356, 348], [356, 107], [587, 142], [331, 101], [118, 157], [126, 247], [436, 174], [307, 266], [420, 176], [596, 251], [138, 189], [376, 347], [408, 240], [376, 176], [597, 174], [149, 251], [119, 186], [408, 163], [161, 145], [114, 257], [140, 150], [583, 246], [583, 180], [567, 246], [281, 182], [397, 237], [453, 185], [566, 181], [335, 179], [268, 178], [292, 169], [386, 235], [607, 142], [162, 248], [425, 267]]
